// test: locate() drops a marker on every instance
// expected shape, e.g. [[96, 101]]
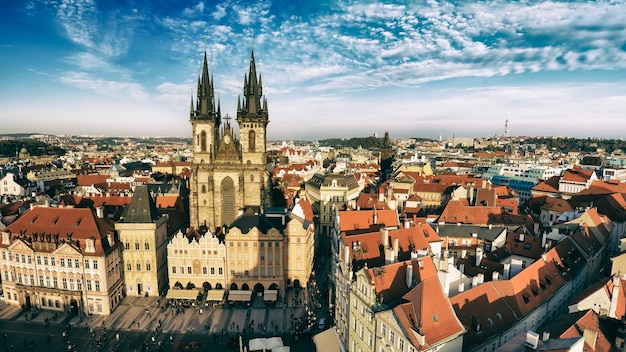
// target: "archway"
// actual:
[[245, 287], [27, 303], [273, 286], [74, 306], [233, 286], [218, 286], [206, 286], [190, 285], [259, 288], [296, 283], [178, 285]]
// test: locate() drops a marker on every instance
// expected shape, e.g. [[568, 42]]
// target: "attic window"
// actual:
[[54, 222], [499, 316], [490, 321], [542, 285], [548, 281], [32, 221], [421, 264], [535, 291], [435, 318], [526, 298], [527, 246]]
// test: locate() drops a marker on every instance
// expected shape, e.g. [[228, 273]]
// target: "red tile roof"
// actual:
[[79, 223], [363, 219]]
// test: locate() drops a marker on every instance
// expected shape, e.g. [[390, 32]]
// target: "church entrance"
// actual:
[[139, 289]]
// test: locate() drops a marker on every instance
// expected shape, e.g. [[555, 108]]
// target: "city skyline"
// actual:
[[330, 69]]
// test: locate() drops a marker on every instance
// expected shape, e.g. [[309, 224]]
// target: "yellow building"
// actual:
[[330, 192], [143, 231], [62, 259]]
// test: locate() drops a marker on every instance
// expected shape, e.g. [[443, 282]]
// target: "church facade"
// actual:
[[228, 170]]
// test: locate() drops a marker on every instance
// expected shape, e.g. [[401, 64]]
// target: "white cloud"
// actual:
[[193, 11], [105, 87]]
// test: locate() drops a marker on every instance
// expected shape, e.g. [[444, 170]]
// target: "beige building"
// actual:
[[143, 231], [62, 259], [330, 192]]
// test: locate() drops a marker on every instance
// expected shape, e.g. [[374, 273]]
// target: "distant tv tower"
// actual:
[[507, 131]]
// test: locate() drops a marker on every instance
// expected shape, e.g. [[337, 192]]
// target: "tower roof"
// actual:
[[142, 208]]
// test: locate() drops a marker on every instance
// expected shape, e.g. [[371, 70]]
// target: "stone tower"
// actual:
[[228, 171]]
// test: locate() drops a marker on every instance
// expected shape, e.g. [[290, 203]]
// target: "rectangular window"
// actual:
[[47, 281], [86, 263], [220, 271], [97, 282], [64, 281], [69, 263], [55, 282], [173, 269], [71, 284], [212, 270], [53, 261], [204, 270], [79, 284], [95, 264], [19, 277], [62, 261], [88, 284], [41, 281], [4, 255], [77, 263], [188, 270], [38, 259], [262, 256]]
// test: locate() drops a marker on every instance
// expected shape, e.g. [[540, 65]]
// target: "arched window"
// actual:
[[251, 178], [251, 141], [127, 245], [203, 189], [203, 141], [138, 266], [146, 245], [148, 266], [129, 266], [136, 245]]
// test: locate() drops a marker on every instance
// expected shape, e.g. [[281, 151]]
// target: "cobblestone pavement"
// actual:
[[139, 323]]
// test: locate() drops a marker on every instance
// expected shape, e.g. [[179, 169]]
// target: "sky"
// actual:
[[330, 68]]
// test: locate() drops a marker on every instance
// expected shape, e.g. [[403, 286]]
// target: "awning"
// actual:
[[182, 294], [215, 295], [327, 341], [240, 295], [270, 295]]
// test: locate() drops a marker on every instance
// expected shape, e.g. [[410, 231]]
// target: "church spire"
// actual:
[[206, 98], [253, 90]]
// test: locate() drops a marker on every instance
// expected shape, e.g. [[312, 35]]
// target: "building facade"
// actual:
[[143, 231], [228, 172], [62, 259]]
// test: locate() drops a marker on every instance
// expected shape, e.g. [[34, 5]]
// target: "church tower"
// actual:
[[228, 172]]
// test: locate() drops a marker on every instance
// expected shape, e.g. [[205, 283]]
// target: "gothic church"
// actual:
[[228, 172]]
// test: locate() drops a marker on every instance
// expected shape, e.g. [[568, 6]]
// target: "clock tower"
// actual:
[[228, 172]]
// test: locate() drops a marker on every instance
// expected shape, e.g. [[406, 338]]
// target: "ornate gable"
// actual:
[[20, 245], [67, 249]]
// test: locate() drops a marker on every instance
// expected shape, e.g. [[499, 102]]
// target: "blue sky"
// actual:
[[330, 68]]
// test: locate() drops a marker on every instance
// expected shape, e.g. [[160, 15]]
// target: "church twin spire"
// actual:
[[252, 94], [205, 104]]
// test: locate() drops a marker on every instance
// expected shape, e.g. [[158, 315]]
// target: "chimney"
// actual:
[[614, 297], [507, 271], [495, 276], [474, 281], [521, 237], [543, 240], [532, 340], [479, 255], [590, 336], [100, 212], [481, 278], [461, 286], [407, 224], [463, 253], [389, 258], [375, 216], [110, 239], [396, 247], [546, 336], [446, 285], [462, 268], [409, 276], [384, 234]]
